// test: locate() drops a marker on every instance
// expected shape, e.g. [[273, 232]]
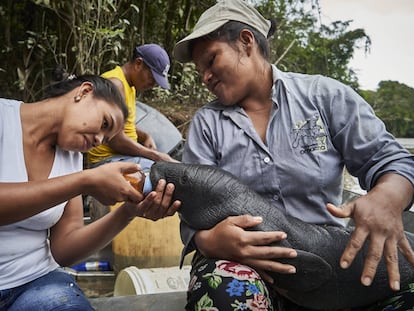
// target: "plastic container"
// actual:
[[92, 266], [134, 281], [139, 181], [147, 185], [136, 180]]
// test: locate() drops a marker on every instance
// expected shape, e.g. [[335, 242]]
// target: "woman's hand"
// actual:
[[378, 218], [157, 204], [229, 240], [108, 185]]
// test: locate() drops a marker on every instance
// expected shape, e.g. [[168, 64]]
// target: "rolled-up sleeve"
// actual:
[[369, 150]]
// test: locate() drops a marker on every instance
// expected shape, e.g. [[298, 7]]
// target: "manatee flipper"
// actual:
[[312, 271]]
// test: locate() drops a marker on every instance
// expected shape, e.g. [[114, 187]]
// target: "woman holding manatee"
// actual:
[[41, 183], [288, 136]]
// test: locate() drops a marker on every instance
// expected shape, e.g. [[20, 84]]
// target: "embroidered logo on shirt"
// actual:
[[310, 135]]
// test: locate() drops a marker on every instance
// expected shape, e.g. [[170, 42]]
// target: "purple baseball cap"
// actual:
[[156, 58]]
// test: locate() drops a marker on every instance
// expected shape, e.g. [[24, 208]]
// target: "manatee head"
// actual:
[[202, 189]]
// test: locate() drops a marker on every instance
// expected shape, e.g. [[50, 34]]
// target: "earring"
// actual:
[[77, 98]]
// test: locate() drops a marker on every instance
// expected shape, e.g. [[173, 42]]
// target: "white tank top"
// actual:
[[24, 248]]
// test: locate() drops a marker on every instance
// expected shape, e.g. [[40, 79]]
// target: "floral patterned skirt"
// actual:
[[221, 285], [218, 285]]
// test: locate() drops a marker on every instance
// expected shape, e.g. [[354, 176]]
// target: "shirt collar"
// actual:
[[279, 75]]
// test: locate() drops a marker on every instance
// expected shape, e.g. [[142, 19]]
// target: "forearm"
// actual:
[[22, 200], [71, 241], [82, 242], [200, 242], [125, 145]]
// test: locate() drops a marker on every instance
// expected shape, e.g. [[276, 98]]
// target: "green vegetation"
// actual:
[[91, 36], [393, 102]]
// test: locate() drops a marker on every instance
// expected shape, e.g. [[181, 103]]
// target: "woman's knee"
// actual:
[[226, 285], [56, 291]]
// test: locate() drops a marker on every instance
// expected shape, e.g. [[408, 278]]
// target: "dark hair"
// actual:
[[135, 54], [230, 32], [102, 89]]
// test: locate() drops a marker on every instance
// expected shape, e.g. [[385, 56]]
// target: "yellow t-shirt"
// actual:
[[103, 151]]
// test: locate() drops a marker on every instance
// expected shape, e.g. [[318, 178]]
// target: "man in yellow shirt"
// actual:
[[148, 67]]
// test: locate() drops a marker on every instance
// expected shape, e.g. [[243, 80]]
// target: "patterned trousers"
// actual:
[[221, 285]]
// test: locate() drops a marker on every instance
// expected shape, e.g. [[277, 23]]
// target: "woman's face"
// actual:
[[89, 123], [223, 69]]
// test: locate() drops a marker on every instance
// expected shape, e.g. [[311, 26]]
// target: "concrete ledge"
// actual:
[[172, 301]]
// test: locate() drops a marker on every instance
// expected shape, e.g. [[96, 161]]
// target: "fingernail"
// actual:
[[344, 264], [258, 218], [396, 285], [292, 270], [366, 281]]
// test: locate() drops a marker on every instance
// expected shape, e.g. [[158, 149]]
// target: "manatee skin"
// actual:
[[209, 195]]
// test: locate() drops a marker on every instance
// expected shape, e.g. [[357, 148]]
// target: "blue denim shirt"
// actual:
[[317, 126]]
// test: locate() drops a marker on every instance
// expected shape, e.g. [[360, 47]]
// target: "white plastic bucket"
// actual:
[[134, 281]]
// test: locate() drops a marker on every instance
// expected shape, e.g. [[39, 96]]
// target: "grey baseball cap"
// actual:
[[215, 17]]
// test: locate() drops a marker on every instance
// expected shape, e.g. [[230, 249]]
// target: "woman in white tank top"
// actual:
[[41, 187]]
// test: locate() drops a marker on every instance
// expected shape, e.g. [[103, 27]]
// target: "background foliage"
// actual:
[[92, 36]]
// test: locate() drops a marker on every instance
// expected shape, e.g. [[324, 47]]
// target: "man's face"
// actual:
[[142, 79]]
